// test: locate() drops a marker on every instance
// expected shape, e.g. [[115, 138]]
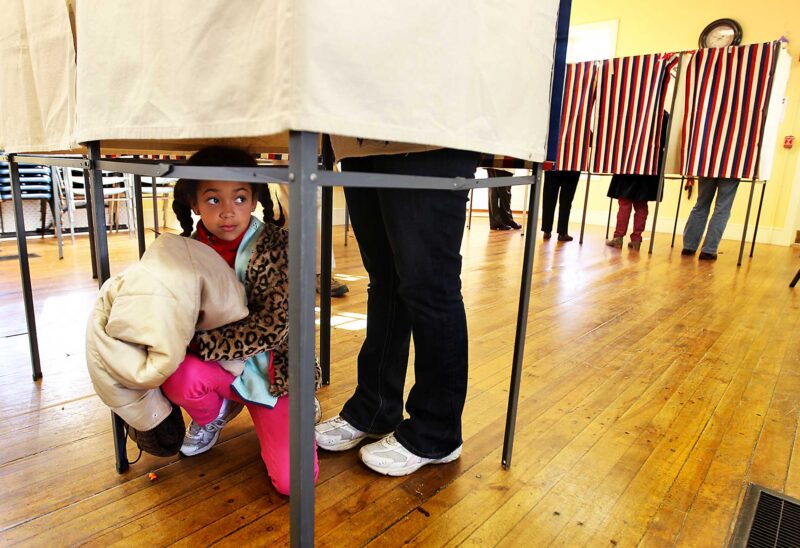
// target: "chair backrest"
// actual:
[[35, 183], [163, 185], [75, 178]]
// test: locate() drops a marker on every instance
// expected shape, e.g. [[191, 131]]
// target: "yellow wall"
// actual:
[[650, 26]]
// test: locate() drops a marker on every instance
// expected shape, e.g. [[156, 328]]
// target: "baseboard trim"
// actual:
[[766, 234]]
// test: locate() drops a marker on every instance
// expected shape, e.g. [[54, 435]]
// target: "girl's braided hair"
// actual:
[[186, 189]]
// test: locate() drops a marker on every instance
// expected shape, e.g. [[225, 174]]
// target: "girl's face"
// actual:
[[224, 207]]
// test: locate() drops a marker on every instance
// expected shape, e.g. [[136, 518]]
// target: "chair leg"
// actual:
[[796, 279], [55, 208], [164, 211], [43, 208]]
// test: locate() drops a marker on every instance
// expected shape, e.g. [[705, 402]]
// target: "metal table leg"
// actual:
[[585, 204], [57, 211], [90, 221], [677, 212], [137, 198], [758, 218], [25, 270], [469, 221], [156, 227], [746, 221], [302, 263], [522, 320], [96, 212], [325, 268]]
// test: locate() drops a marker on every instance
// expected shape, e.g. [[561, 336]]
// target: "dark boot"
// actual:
[[496, 221], [504, 205]]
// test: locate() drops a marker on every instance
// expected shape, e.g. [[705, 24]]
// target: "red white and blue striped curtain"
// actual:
[[574, 140], [727, 90], [631, 92]]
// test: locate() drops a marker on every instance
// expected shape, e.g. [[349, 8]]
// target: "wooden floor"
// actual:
[[655, 388]]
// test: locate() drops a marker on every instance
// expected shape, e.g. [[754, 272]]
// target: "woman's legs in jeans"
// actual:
[[199, 387], [377, 404], [410, 241], [726, 192], [696, 224], [623, 217], [639, 220]]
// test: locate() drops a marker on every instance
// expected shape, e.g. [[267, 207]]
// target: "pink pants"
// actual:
[[199, 388], [624, 215]]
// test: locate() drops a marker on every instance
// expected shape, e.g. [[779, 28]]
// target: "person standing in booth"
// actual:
[[632, 193], [500, 216], [725, 190], [410, 242], [559, 186]]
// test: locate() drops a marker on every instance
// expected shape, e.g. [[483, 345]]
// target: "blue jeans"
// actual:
[[410, 244], [725, 190]]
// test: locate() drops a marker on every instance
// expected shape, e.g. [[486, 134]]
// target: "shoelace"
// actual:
[[214, 425], [195, 430], [341, 423]]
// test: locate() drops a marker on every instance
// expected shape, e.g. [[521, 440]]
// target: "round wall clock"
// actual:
[[721, 33]]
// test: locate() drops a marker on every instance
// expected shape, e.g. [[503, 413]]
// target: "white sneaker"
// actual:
[[389, 457], [317, 411], [337, 434], [199, 439]]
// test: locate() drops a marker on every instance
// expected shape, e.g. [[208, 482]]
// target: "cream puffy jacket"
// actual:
[[145, 317]]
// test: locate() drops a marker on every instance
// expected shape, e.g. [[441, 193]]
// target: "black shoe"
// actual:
[[514, 225], [565, 238], [338, 289], [500, 227], [707, 256], [546, 236], [685, 251]]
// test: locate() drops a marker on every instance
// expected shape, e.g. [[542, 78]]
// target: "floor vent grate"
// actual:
[[768, 519]]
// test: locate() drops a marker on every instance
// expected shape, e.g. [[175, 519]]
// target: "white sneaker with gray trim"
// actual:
[[199, 439], [389, 457], [337, 434]]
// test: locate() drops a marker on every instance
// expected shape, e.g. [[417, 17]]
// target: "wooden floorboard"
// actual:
[[655, 387]]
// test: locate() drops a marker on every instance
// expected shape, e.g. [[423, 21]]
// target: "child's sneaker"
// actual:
[[199, 439], [337, 434], [389, 457]]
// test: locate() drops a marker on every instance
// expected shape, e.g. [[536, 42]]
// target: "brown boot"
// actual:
[[635, 245], [615, 242]]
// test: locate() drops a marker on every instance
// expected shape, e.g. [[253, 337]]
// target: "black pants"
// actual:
[[567, 183], [500, 207], [410, 242], [500, 201]]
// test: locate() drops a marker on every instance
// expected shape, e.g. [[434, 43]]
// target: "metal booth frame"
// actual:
[[303, 175], [662, 177]]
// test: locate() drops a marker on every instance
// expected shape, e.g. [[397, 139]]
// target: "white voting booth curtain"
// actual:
[[37, 76], [470, 75]]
